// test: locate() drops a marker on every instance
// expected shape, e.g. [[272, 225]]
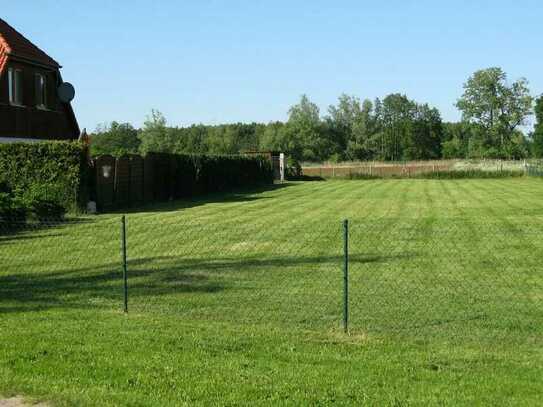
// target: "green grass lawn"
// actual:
[[237, 299]]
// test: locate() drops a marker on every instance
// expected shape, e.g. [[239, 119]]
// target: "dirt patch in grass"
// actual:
[[19, 401]]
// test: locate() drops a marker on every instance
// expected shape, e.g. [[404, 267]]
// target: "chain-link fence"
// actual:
[[390, 276], [449, 277], [535, 168]]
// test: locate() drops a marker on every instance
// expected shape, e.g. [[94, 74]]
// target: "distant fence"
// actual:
[[535, 169], [376, 169], [133, 180], [417, 168]]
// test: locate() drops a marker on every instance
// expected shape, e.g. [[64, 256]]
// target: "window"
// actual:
[[15, 85], [41, 91]]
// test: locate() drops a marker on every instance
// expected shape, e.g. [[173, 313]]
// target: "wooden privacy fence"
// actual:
[[119, 181], [132, 179]]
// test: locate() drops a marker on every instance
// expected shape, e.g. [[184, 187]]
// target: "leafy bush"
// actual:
[[294, 169], [44, 202], [12, 210], [4, 186], [58, 169], [47, 210]]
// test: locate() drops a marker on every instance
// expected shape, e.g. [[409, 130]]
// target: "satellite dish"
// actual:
[[66, 92]]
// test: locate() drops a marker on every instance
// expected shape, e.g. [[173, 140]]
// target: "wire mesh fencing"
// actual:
[[534, 168], [252, 273], [390, 276], [455, 279], [52, 264]]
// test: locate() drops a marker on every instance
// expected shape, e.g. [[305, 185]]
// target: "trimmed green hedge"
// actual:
[[44, 180], [46, 175], [192, 175], [224, 173]]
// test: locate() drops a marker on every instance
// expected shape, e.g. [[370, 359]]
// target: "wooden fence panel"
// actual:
[[175, 193], [122, 182], [149, 178], [105, 181], [136, 179], [162, 177]]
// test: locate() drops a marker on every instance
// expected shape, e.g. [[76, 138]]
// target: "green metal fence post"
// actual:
[[346, 276], [123, 255]]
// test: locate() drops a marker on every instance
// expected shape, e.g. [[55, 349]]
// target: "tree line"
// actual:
[[390, 129]]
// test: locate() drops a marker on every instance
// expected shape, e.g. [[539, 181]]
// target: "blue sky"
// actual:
[[226, 61]]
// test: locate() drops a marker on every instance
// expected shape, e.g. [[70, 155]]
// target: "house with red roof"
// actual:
[[34, 100]]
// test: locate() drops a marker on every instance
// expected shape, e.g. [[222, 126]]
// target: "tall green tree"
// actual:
[[192, 140], [232, 138], [350, 125], [537, 136], [402, 129], [304, 132], [498, 107], [155, 136], [275, 138], [395, 115], [115, 139], [365, 125], [340, 123], [423, 140], [458, 140]]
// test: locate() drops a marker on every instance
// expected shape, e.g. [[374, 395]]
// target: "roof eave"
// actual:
[[27, 60]]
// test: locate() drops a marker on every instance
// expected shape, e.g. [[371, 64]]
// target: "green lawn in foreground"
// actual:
[[237, 299]]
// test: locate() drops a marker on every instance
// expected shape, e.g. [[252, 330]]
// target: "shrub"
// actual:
[[294, 169], [12, 211], [47, 210], [4, 186], [44, 202], [57, 167]]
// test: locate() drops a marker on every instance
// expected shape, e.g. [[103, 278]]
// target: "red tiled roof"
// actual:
[[13, 43], [3, 56]]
